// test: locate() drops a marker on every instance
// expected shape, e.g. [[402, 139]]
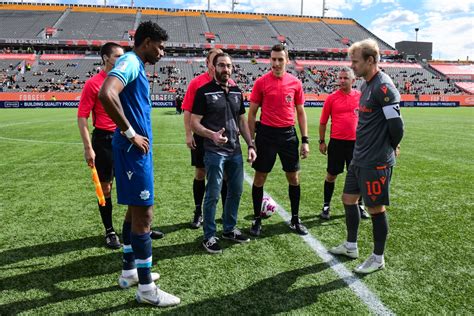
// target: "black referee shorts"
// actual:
[[339, 155], [271, 141], [197, 154], [104, 161]]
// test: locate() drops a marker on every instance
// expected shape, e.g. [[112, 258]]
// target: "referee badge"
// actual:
[[386, 99], [288, 98]]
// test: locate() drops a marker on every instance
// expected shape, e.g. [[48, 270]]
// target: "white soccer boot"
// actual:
[[370, 265], [343, 250], [157, 297]]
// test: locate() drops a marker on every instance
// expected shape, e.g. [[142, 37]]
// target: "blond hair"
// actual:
[[367, 47], [213, 51]]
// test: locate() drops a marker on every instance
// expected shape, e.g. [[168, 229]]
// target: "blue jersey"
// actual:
[[135, 97]]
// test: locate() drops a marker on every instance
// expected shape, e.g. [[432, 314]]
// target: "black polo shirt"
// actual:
[[220, 109]]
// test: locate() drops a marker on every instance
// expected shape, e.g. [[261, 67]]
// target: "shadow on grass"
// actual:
[[268, 296], [45, 250], [49, 279], [170, 112], [274, 290]]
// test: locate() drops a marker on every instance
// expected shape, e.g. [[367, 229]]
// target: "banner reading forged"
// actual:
[[71, 99]]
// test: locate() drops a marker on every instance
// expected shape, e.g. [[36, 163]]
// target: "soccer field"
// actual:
[[52, 258]]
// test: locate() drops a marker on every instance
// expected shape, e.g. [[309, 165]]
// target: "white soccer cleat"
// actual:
[[126, 283], [343, 250], [370, 265], [157, 297]]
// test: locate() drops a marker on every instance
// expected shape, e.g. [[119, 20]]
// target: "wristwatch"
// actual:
[[321, 141]]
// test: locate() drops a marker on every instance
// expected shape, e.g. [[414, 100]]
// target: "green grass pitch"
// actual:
[[52, 259]]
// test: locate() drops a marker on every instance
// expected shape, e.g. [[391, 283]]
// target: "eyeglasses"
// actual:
[[222, 65]]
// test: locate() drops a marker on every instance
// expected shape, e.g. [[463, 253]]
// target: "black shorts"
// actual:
[[339, 155], [271, 141], [372, 184], [104, 160], [197, 154]]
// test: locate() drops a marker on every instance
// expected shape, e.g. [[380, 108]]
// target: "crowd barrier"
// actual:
[[71, 99]]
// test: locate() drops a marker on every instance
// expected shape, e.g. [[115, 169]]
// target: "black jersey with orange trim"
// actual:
[[373, 147]]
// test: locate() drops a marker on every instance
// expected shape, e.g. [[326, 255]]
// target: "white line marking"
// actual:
[[354, 283]]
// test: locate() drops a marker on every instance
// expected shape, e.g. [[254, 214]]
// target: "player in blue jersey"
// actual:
[[125, 95], [378, 135]]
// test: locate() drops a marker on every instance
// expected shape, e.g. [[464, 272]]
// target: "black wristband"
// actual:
[[321, 141], [250, 146], [305, 139]]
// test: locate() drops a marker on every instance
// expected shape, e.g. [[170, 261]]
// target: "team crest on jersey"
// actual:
[[386, 99], [214, 97], [384, 89], [122, 65], [145, 195], [288, 98]]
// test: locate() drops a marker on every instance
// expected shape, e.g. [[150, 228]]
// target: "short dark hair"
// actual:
[[214, 61], [107, 49], [280, 48], [152, 30]]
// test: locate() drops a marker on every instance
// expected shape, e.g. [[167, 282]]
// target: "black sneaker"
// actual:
[[112, 241], [325, 213], [197, 221], [156, 234], [236, 235], [211, 245], [298, 227], [363, 212], [256, 228]]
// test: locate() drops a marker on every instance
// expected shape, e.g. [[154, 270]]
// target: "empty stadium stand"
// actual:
[[468, 87], [25, 24], [87, 27], [89, 23]]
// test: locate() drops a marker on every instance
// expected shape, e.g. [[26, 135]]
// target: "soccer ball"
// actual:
[[269, 207]]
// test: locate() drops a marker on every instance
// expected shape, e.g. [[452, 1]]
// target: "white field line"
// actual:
[[353, 282]]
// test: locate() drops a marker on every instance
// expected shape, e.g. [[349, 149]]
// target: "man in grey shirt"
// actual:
[[379, 132]]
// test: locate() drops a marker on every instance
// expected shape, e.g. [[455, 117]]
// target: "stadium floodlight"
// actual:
[[234, 3], [324, 8], [416, 33]]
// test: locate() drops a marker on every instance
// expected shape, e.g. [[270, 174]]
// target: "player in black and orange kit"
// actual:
[[378, 136]]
